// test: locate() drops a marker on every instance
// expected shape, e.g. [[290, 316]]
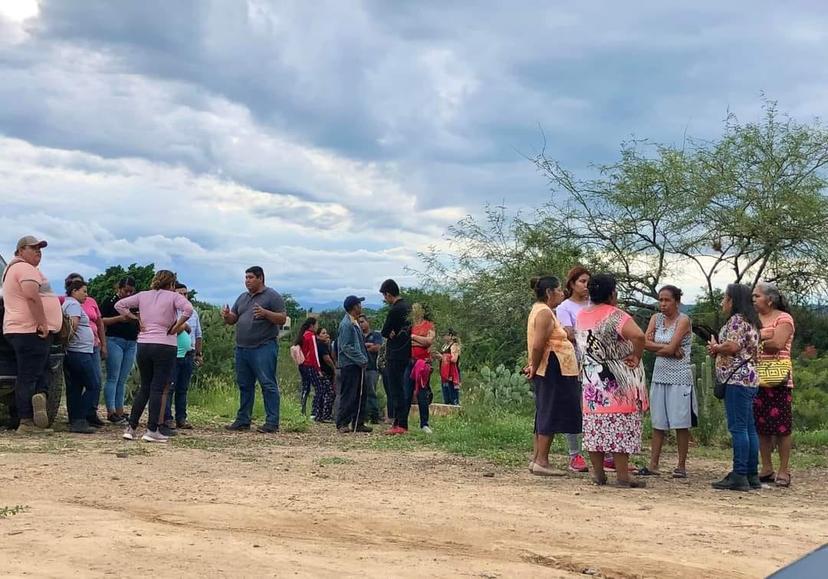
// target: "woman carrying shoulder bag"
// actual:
[[736, 353]]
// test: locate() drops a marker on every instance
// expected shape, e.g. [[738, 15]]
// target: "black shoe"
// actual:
[[166, 430], [754, 482], [363, 428], [268, 429], [94, 421], [732, 482], [81, 427], [237, 426], [117, 419]]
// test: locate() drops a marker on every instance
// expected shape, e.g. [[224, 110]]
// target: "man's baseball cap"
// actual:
[[30, 240], [351, 301]]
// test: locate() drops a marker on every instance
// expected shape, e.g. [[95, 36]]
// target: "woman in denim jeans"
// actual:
[[736, 353], [84, 385], [122, 344]]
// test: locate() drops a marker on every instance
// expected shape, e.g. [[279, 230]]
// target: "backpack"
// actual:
[[297, 355], [65, 333]]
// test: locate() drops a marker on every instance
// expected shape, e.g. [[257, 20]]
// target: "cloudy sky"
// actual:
[[330, 141]]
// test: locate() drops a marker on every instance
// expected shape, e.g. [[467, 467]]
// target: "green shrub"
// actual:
[[501, 388]]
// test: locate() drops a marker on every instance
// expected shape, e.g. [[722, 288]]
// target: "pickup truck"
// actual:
[[8, 375]]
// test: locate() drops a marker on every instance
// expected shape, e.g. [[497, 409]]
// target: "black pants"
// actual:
[[32, 355], [156, 363], [424, 396], [352, 397], [389, 402], [395, 371]]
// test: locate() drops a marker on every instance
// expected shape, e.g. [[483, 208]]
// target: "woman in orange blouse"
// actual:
[[553, 369], [772, 407]]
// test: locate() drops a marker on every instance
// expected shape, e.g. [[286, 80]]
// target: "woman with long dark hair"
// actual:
[[576, 293], [736, 351], [772, 407], [553, 369], [157, 348], [309, 369], [122, 344], [324, 413]]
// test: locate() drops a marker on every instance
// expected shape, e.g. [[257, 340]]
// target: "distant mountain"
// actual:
[[334, 305]]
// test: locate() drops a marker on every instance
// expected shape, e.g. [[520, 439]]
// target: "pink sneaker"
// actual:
[[578, 464]]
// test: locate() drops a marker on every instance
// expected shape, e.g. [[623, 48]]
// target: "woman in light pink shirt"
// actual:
[[157, 347]]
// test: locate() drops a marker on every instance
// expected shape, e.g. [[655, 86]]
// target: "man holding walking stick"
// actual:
[[352, 360]]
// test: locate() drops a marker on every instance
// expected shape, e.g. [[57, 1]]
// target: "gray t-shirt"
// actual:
[[82, 340], [252, 333]]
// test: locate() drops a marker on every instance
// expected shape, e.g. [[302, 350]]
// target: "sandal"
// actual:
[[644, 471], [600, 481], [679, 473], [783, 480], [631, 484], [768, 478]]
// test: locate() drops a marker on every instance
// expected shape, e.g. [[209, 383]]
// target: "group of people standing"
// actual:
[[343, 372], [585, 362]]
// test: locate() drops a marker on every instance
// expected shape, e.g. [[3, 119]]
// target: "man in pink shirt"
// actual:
[[32, 316]]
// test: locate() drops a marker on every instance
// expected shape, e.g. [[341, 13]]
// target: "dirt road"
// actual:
[[216, 505]]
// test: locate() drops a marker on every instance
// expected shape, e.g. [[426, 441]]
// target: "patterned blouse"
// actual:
[[739, 369], [609, 385], [672, 370]]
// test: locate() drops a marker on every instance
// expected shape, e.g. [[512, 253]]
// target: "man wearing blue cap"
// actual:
[[352, 360]]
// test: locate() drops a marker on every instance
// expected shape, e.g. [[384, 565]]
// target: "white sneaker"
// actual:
[[427, 429], [154, 436], [129, 433]]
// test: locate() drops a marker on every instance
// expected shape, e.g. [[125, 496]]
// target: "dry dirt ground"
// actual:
[[309, 505]]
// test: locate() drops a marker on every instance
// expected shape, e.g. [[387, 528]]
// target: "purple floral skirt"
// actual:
[[772, 410], [612, 433]]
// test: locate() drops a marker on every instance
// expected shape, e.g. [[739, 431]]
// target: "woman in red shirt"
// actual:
[[418, 374], [309, 369]]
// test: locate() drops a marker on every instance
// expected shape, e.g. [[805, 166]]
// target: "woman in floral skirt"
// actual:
[[612, 376]]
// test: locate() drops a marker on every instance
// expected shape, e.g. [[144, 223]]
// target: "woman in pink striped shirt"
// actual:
[[157, 347]]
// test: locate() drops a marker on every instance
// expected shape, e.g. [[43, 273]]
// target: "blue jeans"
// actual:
[[451, 395], [119, 362], [254, 364], [83, 389], [740, 423], [178, 388]]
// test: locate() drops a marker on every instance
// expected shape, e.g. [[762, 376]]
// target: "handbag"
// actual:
[[720, 388], [774, 373], [297, 355]]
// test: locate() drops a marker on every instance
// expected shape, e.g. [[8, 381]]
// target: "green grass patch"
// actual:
[[6, 512], [216, 403]]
